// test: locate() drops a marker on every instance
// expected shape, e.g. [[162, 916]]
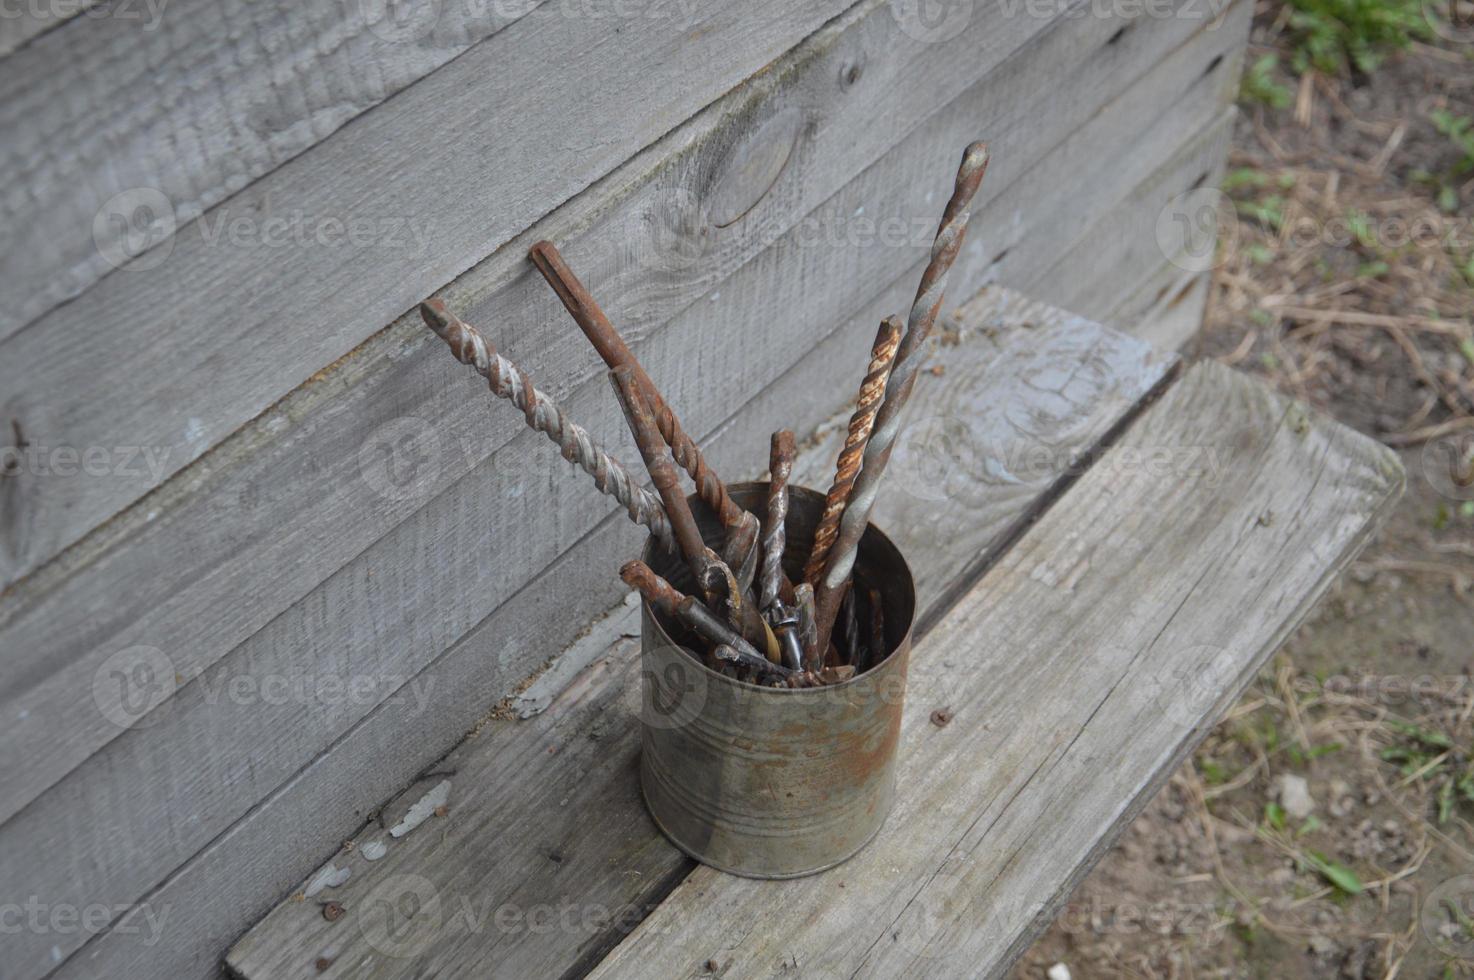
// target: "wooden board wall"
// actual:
[[267, 551]]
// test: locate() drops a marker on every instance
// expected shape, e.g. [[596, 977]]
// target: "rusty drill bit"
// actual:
[[808, 632], [851, 623], [780, 466], [509, 381], [715, 578], [663, 474], [829, 590], [662, 596], [612, 348], [710, 626], [872, 389]]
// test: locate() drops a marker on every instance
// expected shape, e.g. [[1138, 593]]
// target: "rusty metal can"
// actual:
[[771, 782]]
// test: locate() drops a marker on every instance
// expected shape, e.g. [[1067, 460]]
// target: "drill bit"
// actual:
[[509, 381], [872, 389], [667, 482], [808, 632], [612, 348], [829, 590], [851, 624], [780, 465], [715, 578], [662, 596], [710, 626]]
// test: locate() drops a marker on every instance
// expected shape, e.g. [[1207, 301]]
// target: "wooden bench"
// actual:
[[1107, 545]]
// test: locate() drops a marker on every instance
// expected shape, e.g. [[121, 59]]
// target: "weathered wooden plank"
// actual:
[[1167, 308], [1079, 672], [187, 614], [295, 270], [85, 120], [1020, 379], [188, 764], [1127, 237], [25, 21]]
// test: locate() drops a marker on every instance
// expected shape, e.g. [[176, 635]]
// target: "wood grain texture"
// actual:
[[1080, 671], [1129, 234], [184, 763], [296, 269], [1018, 378], [186, 102], [26, 21]]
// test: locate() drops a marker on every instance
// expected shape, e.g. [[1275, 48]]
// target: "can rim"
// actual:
[[872, 533]]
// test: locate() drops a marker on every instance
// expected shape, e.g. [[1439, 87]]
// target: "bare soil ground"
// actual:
[[1325, 829]]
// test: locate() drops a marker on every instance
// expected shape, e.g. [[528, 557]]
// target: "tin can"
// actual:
[[773, 782]]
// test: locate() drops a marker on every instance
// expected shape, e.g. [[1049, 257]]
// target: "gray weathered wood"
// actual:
[[1020, 380], [171, 766], [1079, 671], [177, 356], [26, 21], [1126, 237], [85, 120], [1169, 306]]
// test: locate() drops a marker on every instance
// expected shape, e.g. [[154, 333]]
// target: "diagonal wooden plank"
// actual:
[[1026, 383], [192, 614], [1079, 672]]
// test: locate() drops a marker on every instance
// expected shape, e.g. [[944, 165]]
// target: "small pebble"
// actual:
[[1059, 972]]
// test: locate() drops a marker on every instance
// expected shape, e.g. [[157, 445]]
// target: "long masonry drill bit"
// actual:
[[782, 449], [829, 590], [616, 353], [509, 381], [872, 390]]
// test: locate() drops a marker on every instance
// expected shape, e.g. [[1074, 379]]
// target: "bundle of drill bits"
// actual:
[[745, 618]]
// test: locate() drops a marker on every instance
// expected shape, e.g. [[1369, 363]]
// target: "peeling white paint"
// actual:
[[373, 850], [331, 876], [422, 809]]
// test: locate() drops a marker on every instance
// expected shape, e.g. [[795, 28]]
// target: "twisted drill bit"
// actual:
[[829, 590], [509, 381], [780, 465], [872, 389], [851, 624], [612, 348]]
